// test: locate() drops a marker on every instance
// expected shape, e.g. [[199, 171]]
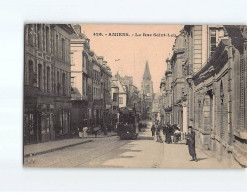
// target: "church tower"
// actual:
[[147, 92]]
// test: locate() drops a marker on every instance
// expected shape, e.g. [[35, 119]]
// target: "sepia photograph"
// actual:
[[134, 96]]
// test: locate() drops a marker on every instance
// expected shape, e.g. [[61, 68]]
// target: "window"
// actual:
[[120, 100], [47, 38], [30, 67], [72, 59], [58, 84], [114, 107], [72, 81], [84, 60], [39, 36], [30, 34], [44, 73], [64, 84], [57, 44], [115, 97], [63, 49], [48, 78], [212, 41], [40, 76]]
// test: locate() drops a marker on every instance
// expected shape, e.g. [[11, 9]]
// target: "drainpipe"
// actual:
[[230, 64]]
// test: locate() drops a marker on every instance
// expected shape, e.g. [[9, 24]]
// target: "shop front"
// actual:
[[62, 120], [38, 120], [30, 124]]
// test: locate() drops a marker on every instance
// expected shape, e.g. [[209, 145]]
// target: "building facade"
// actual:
[[115, 101], [79, 79], [90, 84], [166, 96], [46, 82], [220, 88], [147, 93], [201, 43], [208, 88], [106, 76], [177, 62]]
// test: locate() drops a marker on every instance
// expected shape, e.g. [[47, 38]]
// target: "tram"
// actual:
[[128, 123]]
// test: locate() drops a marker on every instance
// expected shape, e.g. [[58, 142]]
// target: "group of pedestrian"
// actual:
[[156, 129], [172, 134]]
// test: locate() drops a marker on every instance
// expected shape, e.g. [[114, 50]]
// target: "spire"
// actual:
[[147, 74]]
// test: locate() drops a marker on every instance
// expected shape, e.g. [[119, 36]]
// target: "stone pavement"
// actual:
[[177, 156], [42, 148]]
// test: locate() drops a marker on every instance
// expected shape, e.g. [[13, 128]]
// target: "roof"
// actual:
[[234, 31], [147, 74]]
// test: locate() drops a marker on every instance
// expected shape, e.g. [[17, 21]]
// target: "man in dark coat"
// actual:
[[169, 134], [191, 143], [165, 127], [153, 130]]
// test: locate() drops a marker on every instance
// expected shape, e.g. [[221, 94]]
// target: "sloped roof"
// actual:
[[147, 74]]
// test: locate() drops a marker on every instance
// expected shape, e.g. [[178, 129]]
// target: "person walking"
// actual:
[[169, 134], [177, 134], [159, 139], [191, 143], [165, 127], [153, 130]]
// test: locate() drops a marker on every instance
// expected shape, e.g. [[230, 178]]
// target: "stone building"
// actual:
[[46, 82], [177, 61], [156, 107], [201, 42], [133, 99], [166, 96], [122, 91], [80, 89], [220, 91], [147, 93], [115, 101], [106, 76]]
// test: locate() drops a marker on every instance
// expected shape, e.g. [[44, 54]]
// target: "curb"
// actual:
[[103, 136], [56, 149]]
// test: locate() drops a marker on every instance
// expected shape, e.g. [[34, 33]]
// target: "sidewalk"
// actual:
[[177, 156], [51, 146]]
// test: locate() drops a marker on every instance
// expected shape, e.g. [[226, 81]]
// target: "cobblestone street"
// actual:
[[111, 152]]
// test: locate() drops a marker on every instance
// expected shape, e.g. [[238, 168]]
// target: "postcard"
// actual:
[[135, 96]]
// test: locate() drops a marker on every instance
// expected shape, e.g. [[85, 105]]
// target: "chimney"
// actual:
[[77, 28]]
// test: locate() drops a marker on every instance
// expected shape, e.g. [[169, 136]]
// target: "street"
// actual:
[[111, 152]]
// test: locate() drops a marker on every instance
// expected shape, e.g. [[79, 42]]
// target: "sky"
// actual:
[[128, 54]]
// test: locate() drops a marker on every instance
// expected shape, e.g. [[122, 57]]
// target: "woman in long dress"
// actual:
[[191, 143]]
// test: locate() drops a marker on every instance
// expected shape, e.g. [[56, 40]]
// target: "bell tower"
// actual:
[[147, 91]]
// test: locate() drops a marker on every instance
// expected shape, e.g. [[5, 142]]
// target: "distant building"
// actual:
[[147, 93], [115, 101], [156, 107]]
